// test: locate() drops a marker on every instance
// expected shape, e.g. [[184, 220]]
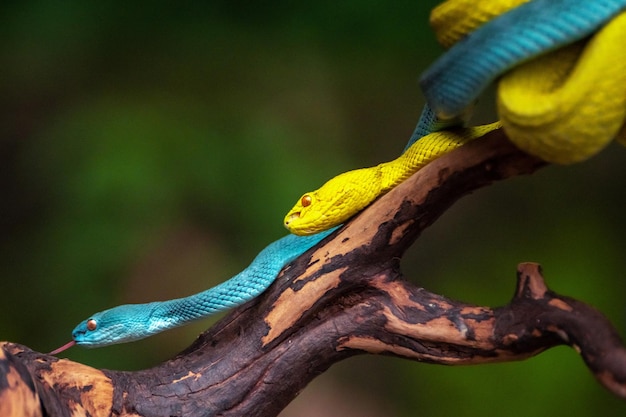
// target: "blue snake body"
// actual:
[[450, 85], [136, 321]]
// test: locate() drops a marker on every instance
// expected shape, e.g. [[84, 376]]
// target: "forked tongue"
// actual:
[[62, 348]]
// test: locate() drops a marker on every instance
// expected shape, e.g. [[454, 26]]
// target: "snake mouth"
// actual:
[[292, 217]]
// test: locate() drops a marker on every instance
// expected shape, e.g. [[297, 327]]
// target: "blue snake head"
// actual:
[[121, 324]]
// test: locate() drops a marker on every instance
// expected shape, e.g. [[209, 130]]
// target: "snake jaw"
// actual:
[[295, 219], [293, 224], [291, 217]]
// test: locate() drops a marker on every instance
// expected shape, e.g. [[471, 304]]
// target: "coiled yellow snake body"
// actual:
[[563, 106], [575, 109]]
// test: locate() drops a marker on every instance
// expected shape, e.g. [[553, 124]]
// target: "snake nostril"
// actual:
[[292, 217]]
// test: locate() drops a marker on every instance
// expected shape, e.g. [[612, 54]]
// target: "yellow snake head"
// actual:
[[335, 202], [347, 194]]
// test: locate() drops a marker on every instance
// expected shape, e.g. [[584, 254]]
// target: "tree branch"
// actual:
[[345, 297]]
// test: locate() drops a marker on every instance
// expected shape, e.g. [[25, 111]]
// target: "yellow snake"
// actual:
[[563, 106], [350, 192]]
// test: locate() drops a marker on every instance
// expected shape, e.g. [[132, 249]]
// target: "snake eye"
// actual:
[[91, 324], [306, 200]]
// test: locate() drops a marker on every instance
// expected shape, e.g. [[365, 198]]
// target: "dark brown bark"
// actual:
[[345, 297]]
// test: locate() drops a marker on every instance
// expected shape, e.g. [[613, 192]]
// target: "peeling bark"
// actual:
[[347, 296]]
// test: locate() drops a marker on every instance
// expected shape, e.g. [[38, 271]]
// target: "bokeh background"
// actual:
[[148, 150]]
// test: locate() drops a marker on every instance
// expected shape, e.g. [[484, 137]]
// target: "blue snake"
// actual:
[[130, 322], [450, 85]]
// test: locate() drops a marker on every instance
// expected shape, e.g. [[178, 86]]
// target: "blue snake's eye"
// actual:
[[306, 200], [91, 324]]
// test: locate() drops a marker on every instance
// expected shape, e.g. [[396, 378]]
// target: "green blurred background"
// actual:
[[150, 149]]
